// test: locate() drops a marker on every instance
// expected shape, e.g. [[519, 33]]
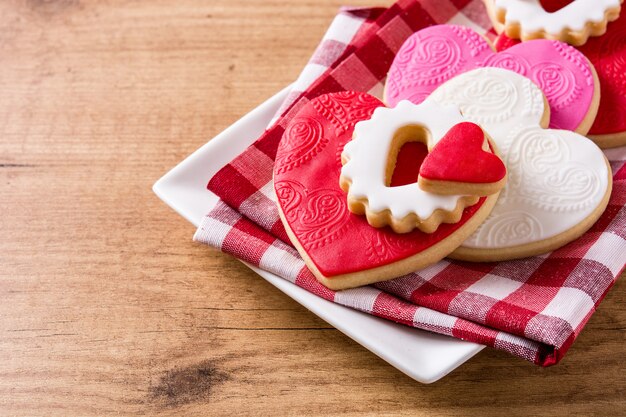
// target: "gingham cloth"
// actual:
[[533, 308]]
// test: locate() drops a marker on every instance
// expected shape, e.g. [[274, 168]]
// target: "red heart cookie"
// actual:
[[342, 249], [607, 53], [462, 163]]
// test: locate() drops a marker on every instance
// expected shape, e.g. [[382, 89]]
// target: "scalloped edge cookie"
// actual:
[[369, 160], [502, 20]]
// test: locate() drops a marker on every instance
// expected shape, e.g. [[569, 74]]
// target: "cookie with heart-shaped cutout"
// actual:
[[431, 56], [339, 247], [462, 163], [370, 161], [559, 182], [607, 53], [573, 23]]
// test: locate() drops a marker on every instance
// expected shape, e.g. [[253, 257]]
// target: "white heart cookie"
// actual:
[[559, 181]]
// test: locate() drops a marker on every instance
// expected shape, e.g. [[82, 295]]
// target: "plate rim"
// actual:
[[348, 321]]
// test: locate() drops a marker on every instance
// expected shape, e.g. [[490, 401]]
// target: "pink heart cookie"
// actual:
[[608, 55], [433, 55]]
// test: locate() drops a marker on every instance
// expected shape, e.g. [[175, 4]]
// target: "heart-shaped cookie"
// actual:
[[607, 53], [573, 23], [462, 162], [432, 56], [559, 182], [370, 162], [341, 248]]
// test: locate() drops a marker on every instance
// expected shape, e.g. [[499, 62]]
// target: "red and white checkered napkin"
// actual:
[[533, 308]]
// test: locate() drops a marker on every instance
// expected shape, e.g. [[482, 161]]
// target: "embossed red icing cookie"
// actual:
[[608, 55], [341, 248], [462, 163]]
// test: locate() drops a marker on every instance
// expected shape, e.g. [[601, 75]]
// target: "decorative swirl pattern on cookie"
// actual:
[[411, 77], [573, 55], [614, 64], [434, 53], [607, 53], [326, 211], [305, 138], [486, 100], [343, 109], [540, 157], [289, 194], [318, 217], [507, 61], [506, 230], [314, 209], [439, 57], [474, 42], [556, 178], [395, 244], [378, 248], [385, 246], [558, 83]]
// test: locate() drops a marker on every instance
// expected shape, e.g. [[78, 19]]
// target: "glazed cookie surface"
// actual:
[[434, 55], [607, 53], [462, 162], [369, 161], [558, 184], [573, 23], [339, 247]]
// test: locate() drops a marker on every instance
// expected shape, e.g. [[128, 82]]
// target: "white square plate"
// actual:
[[422, 355]]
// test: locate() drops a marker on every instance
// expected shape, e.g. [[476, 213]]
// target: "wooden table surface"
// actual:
[[106, 305]]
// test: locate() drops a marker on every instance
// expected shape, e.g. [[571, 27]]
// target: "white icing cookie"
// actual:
[[559, 181], [369, 161], [573, 23]]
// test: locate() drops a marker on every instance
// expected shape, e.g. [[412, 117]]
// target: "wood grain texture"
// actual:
[[108, 308]]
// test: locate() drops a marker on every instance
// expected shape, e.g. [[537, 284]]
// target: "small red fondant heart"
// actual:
[[459, 157]]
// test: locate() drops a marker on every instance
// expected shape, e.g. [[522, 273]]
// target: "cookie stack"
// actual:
[[471, 154]]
